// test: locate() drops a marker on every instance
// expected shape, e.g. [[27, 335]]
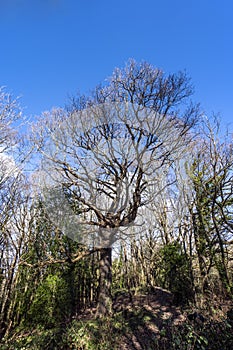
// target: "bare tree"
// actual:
[[211, 175], [10, 182], [101, 158]]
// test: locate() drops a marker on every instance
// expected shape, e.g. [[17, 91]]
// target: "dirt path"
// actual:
[[147, 315]]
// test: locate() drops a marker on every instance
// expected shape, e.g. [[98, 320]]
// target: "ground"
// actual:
[[152, 321], [140, 321]]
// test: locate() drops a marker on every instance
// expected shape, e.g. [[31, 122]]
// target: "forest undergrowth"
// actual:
[[146, 320]]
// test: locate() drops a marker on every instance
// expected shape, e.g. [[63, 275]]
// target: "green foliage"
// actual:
[[118, 282], [210, 336], [50, 302], [95, 334], [38, 339], [187, 337], [173, 272]]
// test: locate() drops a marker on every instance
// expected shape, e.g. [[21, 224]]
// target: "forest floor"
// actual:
[[149, 321], [148, 317], [153, 321]]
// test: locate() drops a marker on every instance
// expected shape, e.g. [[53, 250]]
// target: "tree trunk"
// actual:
[[104, 306]]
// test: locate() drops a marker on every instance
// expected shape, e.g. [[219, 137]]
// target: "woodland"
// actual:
[[116, 219]]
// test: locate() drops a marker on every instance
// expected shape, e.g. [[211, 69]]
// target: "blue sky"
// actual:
[[51, 49]]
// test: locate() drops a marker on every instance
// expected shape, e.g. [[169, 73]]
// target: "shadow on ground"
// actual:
[[147, 317]]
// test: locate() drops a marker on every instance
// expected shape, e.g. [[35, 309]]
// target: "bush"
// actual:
[[49, 306], [174, 272]]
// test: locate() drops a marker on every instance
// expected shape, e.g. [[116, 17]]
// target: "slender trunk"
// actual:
[[221, 263], [104, 306], [200, 242]]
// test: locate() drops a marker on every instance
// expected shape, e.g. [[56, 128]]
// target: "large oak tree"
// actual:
[[103, 158]]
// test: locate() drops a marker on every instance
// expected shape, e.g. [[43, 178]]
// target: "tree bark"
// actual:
[[104, 306]]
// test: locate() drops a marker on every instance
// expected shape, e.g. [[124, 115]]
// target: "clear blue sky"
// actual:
[[52, 48]]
